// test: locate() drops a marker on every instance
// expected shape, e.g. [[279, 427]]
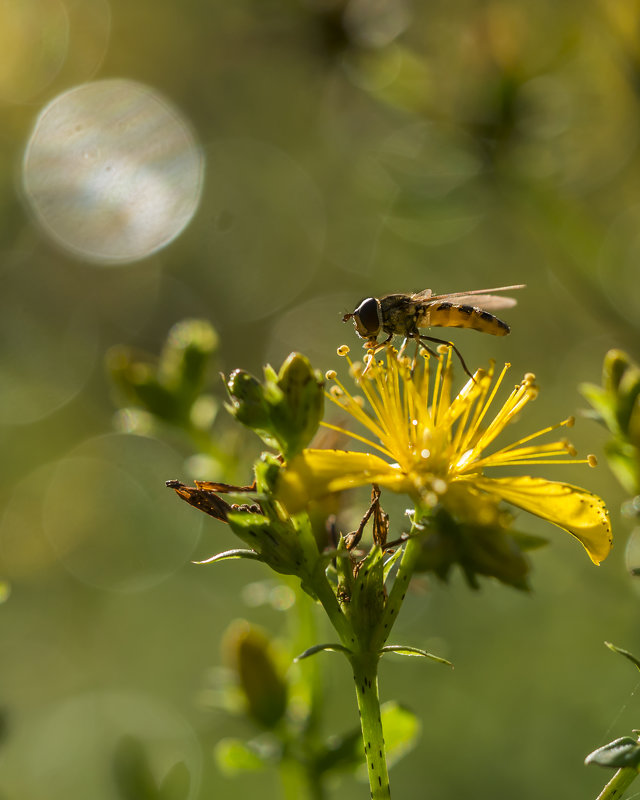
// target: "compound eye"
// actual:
[[367, 317]]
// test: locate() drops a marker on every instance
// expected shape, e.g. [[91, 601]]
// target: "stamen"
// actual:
[[357, 437]]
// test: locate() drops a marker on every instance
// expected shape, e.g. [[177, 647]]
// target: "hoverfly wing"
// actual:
[[487, 302], [481, 298]]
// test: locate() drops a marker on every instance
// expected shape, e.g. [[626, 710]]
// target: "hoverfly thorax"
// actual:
[[367, 318]]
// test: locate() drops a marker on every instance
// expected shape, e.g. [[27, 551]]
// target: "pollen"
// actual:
[[330, 374], [592, 461], [343, 350]]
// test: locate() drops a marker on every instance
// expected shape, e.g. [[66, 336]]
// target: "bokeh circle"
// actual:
[[112, 172]]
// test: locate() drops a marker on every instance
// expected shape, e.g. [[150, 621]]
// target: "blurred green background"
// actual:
[[323, 151]]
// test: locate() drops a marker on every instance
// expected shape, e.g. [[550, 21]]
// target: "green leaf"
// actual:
[[229, 554], [603, 403], [234, 756], [345, 753], [317, 648], [388, 564], [133, 777], [402, 729], [176, 783], [624, 461], [624, 653], [404, 650], [623, 752]]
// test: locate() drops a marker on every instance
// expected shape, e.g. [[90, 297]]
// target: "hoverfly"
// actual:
[[405, 314]]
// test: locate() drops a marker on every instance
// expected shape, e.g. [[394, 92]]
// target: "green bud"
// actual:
[[169, 388], [286, 409], [137, 381], [187, 355], [261, 682], [615, 364], [248, 404], [303, 405], [627, 402]]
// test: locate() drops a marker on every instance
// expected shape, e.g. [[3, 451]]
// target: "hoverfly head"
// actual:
[[367, 318]]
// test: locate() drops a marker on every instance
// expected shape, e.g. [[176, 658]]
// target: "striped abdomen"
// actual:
[[443, 314]]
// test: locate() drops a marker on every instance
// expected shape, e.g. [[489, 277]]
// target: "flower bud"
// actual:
[[258, 676], [286, 409]]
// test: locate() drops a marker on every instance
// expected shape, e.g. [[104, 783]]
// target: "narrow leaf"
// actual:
[[318, 647], [404, 650], [624, 653], [388, 564], [229, 554]]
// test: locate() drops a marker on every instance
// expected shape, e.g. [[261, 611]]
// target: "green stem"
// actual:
[[398, 591], [618, 784], [365, 675], [297, 783], [304, 634]]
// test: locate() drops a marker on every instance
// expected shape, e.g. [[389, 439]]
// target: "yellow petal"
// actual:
[[315, 473], [575, 510]]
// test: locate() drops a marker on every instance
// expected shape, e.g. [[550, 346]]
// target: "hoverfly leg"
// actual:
[[420, 344], [452, 346]]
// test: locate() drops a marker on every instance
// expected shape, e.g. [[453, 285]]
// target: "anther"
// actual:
[[343, 350]]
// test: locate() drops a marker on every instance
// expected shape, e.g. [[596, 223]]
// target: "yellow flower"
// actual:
[[432, 446]]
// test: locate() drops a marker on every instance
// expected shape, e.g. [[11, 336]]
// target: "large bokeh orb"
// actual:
[[112, 171]]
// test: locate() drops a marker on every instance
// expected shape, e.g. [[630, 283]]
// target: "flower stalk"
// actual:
[[365, 676]]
